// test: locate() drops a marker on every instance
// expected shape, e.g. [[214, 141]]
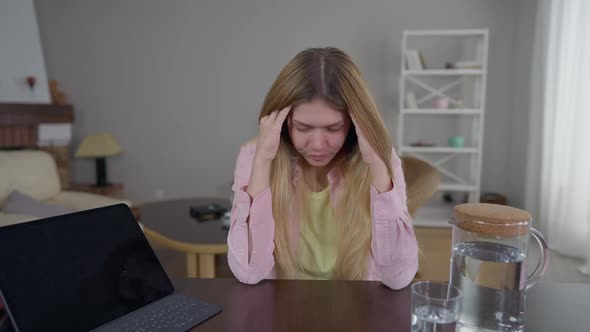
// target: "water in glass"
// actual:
[[432, 318]]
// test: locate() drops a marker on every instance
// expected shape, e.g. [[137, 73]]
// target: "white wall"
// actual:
[[20, 54], [180, 83]]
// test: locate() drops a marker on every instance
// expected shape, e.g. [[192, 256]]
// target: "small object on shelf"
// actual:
[[456, 141], [207, 212], [58, 97], [463, 65], [414, 60], [411, 100], [422, 144], [441, 103], [458, 103]]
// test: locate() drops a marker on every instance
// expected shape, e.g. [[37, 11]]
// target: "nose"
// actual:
[[317, 140]]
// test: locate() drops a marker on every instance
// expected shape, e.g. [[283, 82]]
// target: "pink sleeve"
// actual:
[[250, 259], [394, 247]]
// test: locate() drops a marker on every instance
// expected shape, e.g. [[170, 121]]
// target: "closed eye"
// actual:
[[335, 128], [303, 129]]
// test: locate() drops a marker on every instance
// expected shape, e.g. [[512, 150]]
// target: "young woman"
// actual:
[[320, 193]]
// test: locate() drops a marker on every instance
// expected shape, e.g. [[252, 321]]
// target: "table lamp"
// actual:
[[99, 146]]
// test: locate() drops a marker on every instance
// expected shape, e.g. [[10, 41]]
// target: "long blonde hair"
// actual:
[[330, 75]]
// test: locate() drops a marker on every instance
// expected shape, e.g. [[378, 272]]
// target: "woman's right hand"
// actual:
[[269, 135]]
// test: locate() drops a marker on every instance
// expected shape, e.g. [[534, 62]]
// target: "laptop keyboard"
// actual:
[[173, 313]]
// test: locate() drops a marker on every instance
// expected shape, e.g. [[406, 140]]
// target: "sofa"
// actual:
[[30, 189]]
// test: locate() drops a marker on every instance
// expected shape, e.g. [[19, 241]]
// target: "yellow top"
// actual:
[[318, 238]]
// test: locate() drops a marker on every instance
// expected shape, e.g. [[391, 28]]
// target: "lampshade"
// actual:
[[98, 145]]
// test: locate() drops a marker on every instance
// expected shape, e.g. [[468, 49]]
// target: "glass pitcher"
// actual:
[[489, 250]]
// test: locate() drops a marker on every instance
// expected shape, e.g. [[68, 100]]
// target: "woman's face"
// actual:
[[318, 131]]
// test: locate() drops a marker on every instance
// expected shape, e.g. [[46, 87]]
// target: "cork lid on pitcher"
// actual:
[[491, 219]]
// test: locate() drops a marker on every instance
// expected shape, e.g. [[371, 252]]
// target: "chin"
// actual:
[[317, 163]]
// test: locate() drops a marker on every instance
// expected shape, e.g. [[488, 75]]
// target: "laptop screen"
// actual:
[[78, 271]]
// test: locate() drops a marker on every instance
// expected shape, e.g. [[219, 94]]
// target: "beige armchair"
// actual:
[[422, 180], [34, 173]]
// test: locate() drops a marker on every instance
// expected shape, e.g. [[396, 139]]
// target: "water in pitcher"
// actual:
[[492, 277]]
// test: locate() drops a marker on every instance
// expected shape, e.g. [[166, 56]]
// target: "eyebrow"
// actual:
[[298, 123]]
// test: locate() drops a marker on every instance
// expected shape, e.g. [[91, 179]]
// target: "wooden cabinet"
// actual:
[[435, 253]]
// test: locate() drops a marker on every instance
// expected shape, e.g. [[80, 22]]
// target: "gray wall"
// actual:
[[20, 54], [519, 119], [180, 83]]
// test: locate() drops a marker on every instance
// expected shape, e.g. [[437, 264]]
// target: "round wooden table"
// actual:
[[170, 224]]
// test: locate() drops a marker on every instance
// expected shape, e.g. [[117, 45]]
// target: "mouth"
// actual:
[[318, 157]]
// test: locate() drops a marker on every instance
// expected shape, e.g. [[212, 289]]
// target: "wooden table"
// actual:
[[288, 305], [170, 224]]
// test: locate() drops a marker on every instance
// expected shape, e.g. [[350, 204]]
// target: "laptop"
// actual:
[[91, 270]]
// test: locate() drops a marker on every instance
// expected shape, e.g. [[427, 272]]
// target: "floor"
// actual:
[[435, 245], [565, 269]]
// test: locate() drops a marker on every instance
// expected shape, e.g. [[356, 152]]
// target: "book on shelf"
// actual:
[[464, 65], [411, 100], [414, 60]]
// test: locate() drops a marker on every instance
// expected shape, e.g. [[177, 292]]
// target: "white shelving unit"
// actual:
[[443, 72], [424, 129], [460, 111]]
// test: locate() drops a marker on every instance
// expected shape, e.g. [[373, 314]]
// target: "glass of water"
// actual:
[[435, 306]]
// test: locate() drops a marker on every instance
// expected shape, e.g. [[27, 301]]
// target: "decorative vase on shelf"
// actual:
[[441, 103], [456, 141]]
